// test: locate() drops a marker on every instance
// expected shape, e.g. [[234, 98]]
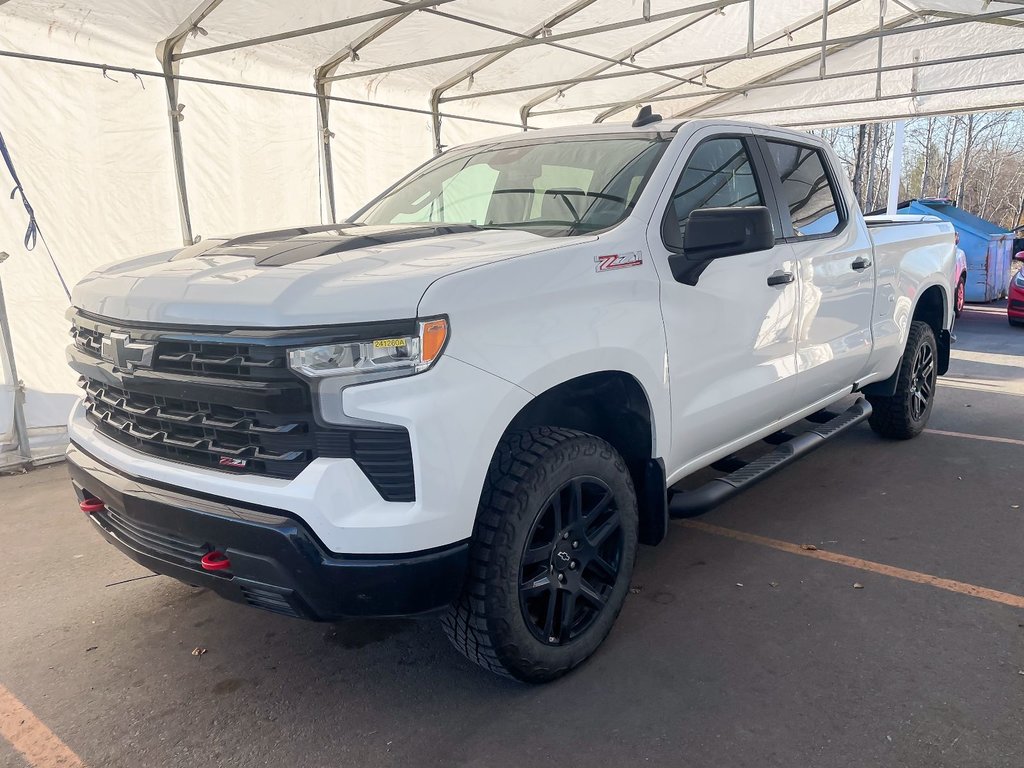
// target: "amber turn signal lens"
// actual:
[[433, 335]]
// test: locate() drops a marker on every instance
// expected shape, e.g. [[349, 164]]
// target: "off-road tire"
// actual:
[[896, 416], [487, 623]]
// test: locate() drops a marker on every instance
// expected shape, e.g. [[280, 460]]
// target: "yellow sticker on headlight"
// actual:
[[388, 343]]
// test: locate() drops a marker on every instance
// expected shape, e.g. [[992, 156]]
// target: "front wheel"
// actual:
[[961, 293], [903, 415], [551, 556]]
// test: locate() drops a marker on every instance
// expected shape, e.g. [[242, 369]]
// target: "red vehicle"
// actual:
[[960, 278], [1015, 306]]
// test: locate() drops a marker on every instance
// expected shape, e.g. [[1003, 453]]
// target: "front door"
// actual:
[[731, 338]]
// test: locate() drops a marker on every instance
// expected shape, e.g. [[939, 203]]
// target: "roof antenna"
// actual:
[[646, 117]]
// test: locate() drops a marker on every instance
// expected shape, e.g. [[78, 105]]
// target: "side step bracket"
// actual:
[[714, 492]]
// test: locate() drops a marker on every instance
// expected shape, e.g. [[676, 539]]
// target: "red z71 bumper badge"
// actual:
[[619, 261], [228, 461]]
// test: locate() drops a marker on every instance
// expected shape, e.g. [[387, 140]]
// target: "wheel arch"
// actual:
[[612, 405], [931, 306], [934, 306]]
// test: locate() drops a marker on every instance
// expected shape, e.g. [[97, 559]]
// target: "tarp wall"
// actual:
[[94, 151]]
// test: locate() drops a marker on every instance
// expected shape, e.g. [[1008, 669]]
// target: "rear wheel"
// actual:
[[903, 415], [961, 293], [551, 556]]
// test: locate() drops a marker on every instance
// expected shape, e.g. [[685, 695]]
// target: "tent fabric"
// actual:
[[93, 146]]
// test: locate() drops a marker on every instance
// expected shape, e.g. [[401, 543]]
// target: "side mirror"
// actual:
[[714, 233], [1018, 256]]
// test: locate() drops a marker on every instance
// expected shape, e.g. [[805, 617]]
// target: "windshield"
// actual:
[[553, 187]]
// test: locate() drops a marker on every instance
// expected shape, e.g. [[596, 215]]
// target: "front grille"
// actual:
[[201, 433], [187, 356], [225, 403], [234, 361]]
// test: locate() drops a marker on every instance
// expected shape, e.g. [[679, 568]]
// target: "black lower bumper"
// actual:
[[275, 562]]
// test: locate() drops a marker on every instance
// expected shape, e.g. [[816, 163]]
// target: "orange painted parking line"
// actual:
[[1006, 598], [991, 439], [29, 736]]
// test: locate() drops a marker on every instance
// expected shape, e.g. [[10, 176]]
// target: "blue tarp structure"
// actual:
[[989, 247]]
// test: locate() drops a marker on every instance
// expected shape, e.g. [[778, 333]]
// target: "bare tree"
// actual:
[[858, 164], [927, 151], [872, 152], [980, 157]]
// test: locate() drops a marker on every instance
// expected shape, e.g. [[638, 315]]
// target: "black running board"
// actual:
[[714, 492]]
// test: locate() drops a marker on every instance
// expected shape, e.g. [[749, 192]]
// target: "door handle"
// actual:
[[861, 263], [780, 278]]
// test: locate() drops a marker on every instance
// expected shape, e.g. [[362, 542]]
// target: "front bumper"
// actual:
[[455, 415], [275, 562]]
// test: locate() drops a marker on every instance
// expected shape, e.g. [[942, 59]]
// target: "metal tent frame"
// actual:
[[611, 57], [617, 66]]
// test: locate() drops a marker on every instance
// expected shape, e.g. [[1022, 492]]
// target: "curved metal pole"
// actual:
[[752, 48], [643, 45], [323, 102], [165, 51], [759, 52], [8, 367], [468, 72], [766, 80], [348, 21], [541, 41], [769, 81]]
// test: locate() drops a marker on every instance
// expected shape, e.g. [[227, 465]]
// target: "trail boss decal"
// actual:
[[619, 261]]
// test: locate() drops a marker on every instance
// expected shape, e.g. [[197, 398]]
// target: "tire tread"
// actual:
[[890, 416], [467, 622]]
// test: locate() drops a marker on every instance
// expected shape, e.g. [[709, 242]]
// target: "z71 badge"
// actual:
[[619, 261]]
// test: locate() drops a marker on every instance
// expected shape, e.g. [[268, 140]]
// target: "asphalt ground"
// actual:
[[730, 651]]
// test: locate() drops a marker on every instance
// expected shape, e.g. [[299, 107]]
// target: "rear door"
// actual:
[[731, 338], [835, 269]]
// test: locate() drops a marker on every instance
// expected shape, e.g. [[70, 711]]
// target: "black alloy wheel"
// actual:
[[571, 561], [551, 556], [922, 384], [903, 414]]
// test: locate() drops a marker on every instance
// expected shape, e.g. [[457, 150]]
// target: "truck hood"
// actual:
[[299, 277]]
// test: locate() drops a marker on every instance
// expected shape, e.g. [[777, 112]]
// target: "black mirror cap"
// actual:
[[713, 233]]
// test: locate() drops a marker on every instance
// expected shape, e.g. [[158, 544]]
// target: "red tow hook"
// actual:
[[91, 505], [215, 561]]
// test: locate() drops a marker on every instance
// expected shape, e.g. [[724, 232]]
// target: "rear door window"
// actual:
[[808, 191]]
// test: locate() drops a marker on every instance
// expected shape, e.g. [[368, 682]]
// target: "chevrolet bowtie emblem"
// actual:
[[119, 349]]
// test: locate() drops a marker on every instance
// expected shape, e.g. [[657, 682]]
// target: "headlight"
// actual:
[[377, 358]]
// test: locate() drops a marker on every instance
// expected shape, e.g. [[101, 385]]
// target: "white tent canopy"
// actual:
[[137, 125]]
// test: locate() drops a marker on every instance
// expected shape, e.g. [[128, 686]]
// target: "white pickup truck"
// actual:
[[475, 396]]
